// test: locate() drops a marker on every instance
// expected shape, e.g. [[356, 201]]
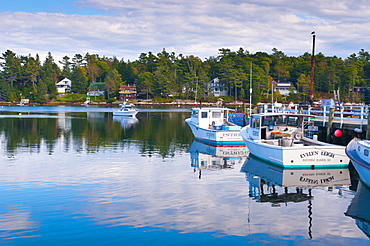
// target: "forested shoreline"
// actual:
[[168, 75]]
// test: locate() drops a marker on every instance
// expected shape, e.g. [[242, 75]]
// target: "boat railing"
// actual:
[[355, 113]]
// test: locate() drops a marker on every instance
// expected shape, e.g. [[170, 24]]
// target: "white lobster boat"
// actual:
[[358, 151], [210, 125], [279, 138]]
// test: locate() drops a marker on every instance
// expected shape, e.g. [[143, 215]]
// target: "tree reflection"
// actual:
[[155, 133]]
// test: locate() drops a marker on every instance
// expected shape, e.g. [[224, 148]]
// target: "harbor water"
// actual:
[[79, 176]]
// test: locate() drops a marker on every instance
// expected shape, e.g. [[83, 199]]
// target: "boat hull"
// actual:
[[325, 156], [216, 137], [125, 113], [355, 151]]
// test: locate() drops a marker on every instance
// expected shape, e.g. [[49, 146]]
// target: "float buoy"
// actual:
[[338, 133]]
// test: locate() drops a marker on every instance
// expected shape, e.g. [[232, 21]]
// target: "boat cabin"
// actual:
[[274, 126], [212, 118]]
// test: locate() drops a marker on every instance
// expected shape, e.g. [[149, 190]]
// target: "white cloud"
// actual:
[[191, 28]]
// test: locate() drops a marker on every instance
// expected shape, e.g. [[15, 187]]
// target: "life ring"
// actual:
[[298, 135]]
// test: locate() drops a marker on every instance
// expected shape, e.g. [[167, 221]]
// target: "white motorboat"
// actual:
[[210, 125], [279, 138], [127, 109], [358, 151]]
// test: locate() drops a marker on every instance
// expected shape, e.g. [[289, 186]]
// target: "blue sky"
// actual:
[[127, 28]]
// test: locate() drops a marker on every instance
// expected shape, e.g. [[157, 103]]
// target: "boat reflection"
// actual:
[[263, 178], [204, 156], [359, 208], [276, 185], [126, 122]]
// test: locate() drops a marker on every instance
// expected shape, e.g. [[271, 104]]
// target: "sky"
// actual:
[[127, 28]]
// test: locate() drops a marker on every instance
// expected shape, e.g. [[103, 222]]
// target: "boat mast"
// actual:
[[310, 96], [250, 91]]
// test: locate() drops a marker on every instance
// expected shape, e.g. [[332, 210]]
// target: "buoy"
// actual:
[[338, 133]]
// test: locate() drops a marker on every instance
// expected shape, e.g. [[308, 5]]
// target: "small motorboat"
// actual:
[[210, 125], [127, 109]]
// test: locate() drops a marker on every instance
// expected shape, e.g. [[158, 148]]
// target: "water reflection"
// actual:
[[126, 122], [264, 177], [359, 208], [273, 184], [90, 132], [204, 156]]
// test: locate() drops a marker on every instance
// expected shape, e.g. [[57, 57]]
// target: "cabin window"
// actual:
[[273, 120], [257, 123], [366, 152], [253, 123], [216, 114], [280, 120], [204, 114], [269, 120], [195, 113], [293, 121]]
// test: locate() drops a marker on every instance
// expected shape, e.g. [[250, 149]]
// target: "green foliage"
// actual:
[[167, 75]]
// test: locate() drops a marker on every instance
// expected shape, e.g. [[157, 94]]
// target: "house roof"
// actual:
[[99, 85]]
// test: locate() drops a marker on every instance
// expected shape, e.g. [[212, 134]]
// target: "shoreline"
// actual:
[[176, 103]]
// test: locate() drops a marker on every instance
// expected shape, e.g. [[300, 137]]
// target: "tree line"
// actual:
[[165, 75]]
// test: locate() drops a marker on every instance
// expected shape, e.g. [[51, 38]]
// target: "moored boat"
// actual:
[[210, 125], [279, 138], [358, 151], [127, 109]]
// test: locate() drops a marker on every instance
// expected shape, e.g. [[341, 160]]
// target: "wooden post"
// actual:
[[330, 124]]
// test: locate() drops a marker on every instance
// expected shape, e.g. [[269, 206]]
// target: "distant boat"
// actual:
[[210, 125], [127, 109], [358, 151], [87, 102], [279, 138]]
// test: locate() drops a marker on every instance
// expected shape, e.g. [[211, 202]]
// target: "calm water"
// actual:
[[76, 175]]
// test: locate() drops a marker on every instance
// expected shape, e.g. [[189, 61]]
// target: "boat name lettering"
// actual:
[[307, 180], [327, 180], [236, 152], [311, 153], [228, 135], [326, 153], [316, 181], [316, 152]]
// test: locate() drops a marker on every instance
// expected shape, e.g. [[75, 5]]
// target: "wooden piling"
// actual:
[[330, 125]]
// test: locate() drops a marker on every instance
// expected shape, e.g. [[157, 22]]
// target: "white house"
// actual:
[[284, 88], [217, 88], [64, 85]]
